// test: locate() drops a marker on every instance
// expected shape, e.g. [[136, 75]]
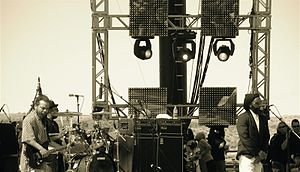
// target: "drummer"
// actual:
[[52, 126], [55, 136]]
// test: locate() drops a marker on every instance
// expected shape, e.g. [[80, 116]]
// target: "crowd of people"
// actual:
[[257, 151]]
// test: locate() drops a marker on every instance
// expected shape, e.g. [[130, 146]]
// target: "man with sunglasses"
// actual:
[[253, 131], [278, 152]]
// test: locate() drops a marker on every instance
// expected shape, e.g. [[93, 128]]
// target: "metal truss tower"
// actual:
[[261, 26], [258, 22]]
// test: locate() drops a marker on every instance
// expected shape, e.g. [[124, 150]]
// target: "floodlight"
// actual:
[[185, 54], [224, 52], [183, 46], [143, 52]]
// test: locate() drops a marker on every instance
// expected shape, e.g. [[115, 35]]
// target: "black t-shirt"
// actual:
[[276, 153]]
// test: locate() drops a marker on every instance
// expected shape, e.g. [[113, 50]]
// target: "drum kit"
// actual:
[[89, 150]]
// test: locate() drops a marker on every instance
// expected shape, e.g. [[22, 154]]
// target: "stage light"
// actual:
[[224, 52], [183, 46], [143, 52], [185, 54]]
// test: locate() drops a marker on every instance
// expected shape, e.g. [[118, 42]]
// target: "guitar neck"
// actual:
[[57, 149]]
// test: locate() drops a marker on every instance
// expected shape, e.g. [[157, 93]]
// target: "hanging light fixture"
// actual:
[[223, 52], [143, 52], [183, 46]]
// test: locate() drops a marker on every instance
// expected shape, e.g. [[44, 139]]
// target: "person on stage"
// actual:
[[35, 138], [253, 131]]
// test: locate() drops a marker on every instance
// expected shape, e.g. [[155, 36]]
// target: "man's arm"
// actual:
[[44, 152]]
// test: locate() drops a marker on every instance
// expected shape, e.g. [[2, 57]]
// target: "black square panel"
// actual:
[[148, 18], [220, 18], [217, 106], [152, 99]]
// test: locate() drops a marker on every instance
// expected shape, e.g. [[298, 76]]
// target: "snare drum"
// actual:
[[100, 162]]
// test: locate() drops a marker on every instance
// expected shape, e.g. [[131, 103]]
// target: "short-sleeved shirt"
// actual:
[[33, 128]]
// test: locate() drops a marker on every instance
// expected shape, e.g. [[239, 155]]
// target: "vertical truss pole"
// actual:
[[100, 25], [99, 55], [261, 48]]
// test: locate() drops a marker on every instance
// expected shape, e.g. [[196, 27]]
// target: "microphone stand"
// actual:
[[127, 102], [77, 100], [8, 117], [281, 119], [38, 92]]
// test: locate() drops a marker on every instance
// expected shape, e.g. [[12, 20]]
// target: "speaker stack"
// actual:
[[159, 145]]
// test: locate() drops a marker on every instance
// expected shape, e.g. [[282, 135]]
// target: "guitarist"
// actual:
[[35, 137]]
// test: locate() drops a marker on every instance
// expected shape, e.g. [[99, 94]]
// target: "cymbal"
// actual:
[[99, 115], [103, 113], [69, 114]]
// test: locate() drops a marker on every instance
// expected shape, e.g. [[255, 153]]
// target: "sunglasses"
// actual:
[[296, 126], [282, 127]]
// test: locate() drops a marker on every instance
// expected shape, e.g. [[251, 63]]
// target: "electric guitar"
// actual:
[[34, 156]]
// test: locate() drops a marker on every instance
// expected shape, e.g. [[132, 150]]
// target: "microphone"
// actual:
[[39, 88], [265, 107], [75, 95]]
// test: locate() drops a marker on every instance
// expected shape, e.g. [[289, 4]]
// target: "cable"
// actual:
[[197, 75]]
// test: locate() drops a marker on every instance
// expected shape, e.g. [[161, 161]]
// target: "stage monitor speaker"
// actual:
[[163, 153], [8, 139], [170, 154], [126, 150], [8, 148], [9, 163], [145, 158]]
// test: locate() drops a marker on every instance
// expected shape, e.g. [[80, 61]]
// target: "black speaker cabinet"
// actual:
[[8, 148], [170, 155], [126, 151], [8, 139], [159, 153], [145, 156]]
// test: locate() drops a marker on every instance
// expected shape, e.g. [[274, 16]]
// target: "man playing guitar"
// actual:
[[35, 137]]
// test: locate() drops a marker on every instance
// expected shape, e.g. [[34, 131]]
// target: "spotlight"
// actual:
[[183, 46], [184, 53], [223, 51], [143, 52]]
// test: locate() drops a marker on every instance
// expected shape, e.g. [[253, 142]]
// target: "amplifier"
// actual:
[[145, 126], [126, 126], [169, 127]]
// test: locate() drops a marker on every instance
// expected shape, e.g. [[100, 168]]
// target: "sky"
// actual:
[[52, 39]]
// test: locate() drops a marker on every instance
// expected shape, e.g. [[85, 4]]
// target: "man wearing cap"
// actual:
[[55, 136], [52, 126], [253, 131]]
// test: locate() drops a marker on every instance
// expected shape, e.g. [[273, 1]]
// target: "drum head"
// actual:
[[100, 162]]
